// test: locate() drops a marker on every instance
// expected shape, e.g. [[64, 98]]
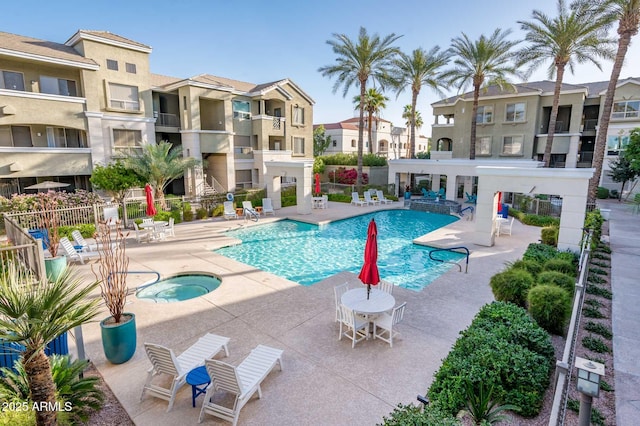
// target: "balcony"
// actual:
[[41, 108], [41, 161], [590, 124], [215, 142], [243, 153], [166, 122], [267, 125]]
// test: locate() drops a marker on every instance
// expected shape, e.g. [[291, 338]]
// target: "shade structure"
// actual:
[[47, 184], [369, 274], [151, 209], [318, 190]]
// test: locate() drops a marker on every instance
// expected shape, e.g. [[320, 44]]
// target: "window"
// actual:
[[298, 146], [627, 109], [516, 112], [298, 115], [243, 178], [112, 64], [15, 136], [58, 86], [11, 80], [241, 109], [335, 143], [124, 97], [485, 114], [353, 143], [126, 142], [617, 143], [512, 145], [130, 68], [60, 137], [483, 145]]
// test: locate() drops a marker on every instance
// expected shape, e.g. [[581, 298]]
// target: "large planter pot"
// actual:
[[119, 340], [54, 267]]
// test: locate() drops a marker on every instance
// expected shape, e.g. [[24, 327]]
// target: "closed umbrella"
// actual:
[[318, 189], [369, 274], [151, 209]]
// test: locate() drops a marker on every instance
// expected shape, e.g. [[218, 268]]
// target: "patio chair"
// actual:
[[164, 361], [249, 210], [442, 193], [229, 210], [241, 381], [386, 286], [141, 234], [430, 195], [267, 206], [74, 255], [384, 323], [84, 245], [471, 199], [382, 199], [505, 228], [169, 229], [355, 199], [338, 291], [369, 200], [147, 220], [357, 326]]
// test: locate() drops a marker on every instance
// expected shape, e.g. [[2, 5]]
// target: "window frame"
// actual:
[[119, 151], [484, 114], [298, 140], [512, 154], [620, 146], [112, 64], [515, 112], [130, 68], [3, 84], [241, 114], [626, 114], [124, 102], [479, 141], [297, 115], [58, 81], [9, 128]]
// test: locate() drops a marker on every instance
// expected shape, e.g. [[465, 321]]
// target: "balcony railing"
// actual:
[[166, 120], [277, 122], [242, 152], [590, 124]]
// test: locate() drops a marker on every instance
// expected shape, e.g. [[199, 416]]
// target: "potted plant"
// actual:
[[48, 221], [119, 329]]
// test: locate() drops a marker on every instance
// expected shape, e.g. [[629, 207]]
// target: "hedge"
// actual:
[[512, 285]]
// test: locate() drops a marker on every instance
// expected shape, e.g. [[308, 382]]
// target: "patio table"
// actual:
[[157, 228], [379, 301], [197, 378]]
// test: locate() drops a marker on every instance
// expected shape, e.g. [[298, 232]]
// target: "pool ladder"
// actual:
[[251, 214], [452, 249]]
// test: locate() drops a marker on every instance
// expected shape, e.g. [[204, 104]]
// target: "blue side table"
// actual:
[[199, 380]]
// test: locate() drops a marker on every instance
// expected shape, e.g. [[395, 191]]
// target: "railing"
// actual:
[[537, 206], [277, 122], [590, 124], [166, 120], [563, 367], [69, 216], [24, 249], [453, 249]]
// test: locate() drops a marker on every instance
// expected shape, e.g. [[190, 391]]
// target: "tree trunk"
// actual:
[[369, 129], [554, 114], [41, 386], [474, 120], [361, 133], [412, 145], [603, 127]]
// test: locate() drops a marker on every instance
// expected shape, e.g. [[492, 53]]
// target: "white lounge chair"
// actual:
[[338, 291], [267, 206], [369, 200], [384, 323], [141, 234], [229, 210], [249, 210], [355, 199], [357, 326], [241, 381], [85, 246], [382, 198], [164, 361], [74, 255]]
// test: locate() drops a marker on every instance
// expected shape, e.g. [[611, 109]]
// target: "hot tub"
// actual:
[[179, 287]]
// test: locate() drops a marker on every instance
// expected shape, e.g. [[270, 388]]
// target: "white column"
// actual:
[[303, 189], [571, 222], [484, 216], [452, 187], [572, 156], [274, 191]]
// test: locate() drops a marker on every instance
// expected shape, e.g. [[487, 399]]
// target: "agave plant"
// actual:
[[481, 406]]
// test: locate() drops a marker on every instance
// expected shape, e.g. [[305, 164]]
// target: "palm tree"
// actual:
[[410, 118], [374, 101], [574, 36], [421, 68], [34, 313], [159, 165], [480, 62], [356, 62], [627, 13]]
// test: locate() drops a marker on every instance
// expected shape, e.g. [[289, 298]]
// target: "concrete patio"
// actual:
[[324, 380]]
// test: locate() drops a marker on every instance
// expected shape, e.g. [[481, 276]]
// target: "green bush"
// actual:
[[559, 279], [405, 415], [87, 230], [594, 221], [595, 344], [512, 285], [602, 193], [540, 252], [218, 210], [340, 198], [549, 235], [600, 329], [592, 312], [550, 306], [598, 271], [537, 220], [599, 291], [342, 159], [201, 213], [531, 266], [560, 265]]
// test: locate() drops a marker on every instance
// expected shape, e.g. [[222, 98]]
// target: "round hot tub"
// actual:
[[179, 287]]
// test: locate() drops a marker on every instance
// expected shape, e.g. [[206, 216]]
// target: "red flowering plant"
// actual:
[[347, 176]]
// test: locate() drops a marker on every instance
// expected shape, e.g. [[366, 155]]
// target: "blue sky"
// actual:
[[260, 41]]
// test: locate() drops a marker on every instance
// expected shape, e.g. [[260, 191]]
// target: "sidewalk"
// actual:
[[624, 235]]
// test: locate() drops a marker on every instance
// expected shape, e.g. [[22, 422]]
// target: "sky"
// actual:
[[260, 41]]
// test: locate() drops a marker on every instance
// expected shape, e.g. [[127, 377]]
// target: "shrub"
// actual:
[[549, 235], [347, 176], [218, 210], [187, 213], [201, 213], [560, 265], [591, 312], [596, 279], [602, 193], [540, 252], [341, 198], [600, 264], [599, 291], [550, 306], [593, 302], [342, 159], [600, 329], [531, 266], [559, 279], [594, 221], [87, 230], [595, 344], [432, 414], [537, 220], [598, 271], [512, 286]]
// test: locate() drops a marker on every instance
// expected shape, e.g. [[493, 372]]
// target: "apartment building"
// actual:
[[513, 123], [65, 107], [388, 140]]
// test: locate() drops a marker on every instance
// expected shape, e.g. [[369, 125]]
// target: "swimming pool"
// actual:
[[307, 253]]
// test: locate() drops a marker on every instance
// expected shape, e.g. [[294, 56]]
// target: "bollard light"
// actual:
[[589, 374]]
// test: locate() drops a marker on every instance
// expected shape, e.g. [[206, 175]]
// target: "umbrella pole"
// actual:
[[368, 290]]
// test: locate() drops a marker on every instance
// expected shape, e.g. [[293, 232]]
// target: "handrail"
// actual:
[[157, 274], [251, 213], [466, 268]]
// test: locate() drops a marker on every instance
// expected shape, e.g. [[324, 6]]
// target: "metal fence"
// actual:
[[23, 249], [532, 205]]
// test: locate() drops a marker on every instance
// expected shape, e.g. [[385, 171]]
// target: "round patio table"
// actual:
[[198, 377], [379, 301]]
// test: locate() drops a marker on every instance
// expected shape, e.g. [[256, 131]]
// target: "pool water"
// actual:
[[179, 287], [307, 253]]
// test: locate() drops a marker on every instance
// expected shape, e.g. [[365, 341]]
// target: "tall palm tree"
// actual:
[[411, 118], [484, 61], [356, 62], [374, 101], [421, 68], [34, 313], [574, 36], [627, 14], [159, 164]]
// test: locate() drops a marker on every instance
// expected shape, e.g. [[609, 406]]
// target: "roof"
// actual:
[[48, 51], [107, 38], [333, 126], [598, 88], [357, 120]]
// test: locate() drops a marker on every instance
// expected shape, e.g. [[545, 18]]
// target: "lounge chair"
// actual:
[[383, 324], [442, 193], [357, 326], [369, 200], [229, 210], [430, 195], [241, 381], [164, 361], [355, 199], [382, 198], [267, 206], [84, 245], [249, 210], [471, 199], [74, 255], [141, 234]]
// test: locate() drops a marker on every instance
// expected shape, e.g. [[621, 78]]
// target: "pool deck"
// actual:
[[324, 381]]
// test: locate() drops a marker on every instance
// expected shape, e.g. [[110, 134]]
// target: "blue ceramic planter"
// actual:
[[54, 267], [119, 340]]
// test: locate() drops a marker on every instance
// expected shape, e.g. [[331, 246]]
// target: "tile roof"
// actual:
[[34, 46], [159, 80], [341, 125], [517, 88], [114, 37], [357, 120]]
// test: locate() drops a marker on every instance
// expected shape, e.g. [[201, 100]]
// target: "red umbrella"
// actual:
[[369, 274], [151, 209], [318, 189]]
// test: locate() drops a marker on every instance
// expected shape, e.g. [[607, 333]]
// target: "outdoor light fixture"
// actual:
[[588, 384]]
